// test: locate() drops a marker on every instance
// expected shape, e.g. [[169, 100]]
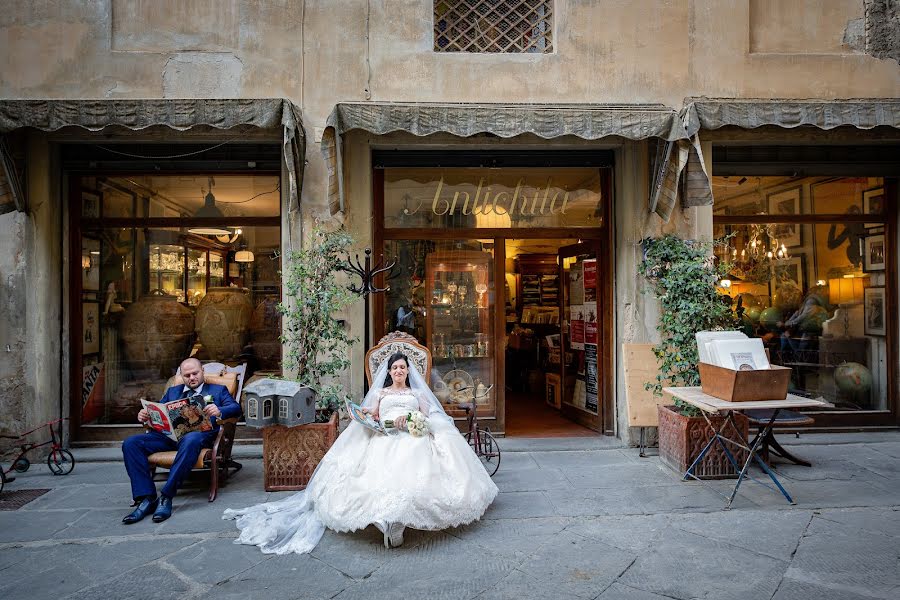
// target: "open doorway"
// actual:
[[545, 375]]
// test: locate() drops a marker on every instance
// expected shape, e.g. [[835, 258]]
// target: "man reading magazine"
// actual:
[[187, 418]]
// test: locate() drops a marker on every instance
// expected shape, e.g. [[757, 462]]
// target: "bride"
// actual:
[[392, 481]]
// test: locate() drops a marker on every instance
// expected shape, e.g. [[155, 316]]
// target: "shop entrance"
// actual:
[[550, 313]]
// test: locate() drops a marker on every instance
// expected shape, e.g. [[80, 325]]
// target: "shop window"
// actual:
[[492, 26], [196, 273], [814, 289]]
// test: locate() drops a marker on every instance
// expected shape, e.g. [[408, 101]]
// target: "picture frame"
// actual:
[[873, 203], [91, 203], [90, 265], [873, 253], [875, 311], [790, 270], [90, 327], [553, 390], [787, 202]]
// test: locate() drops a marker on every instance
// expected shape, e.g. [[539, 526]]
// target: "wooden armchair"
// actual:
[[217, 460], [398, 341]]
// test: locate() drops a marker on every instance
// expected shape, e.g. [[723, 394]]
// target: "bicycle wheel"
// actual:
[[61, 462], [486, 449], [21, 465]]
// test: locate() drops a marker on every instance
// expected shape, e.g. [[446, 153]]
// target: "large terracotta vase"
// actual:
[[157, 331], [223, 321], [682, 438], [265, 332]]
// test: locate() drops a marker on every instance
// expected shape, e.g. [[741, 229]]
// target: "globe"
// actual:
[[769, 318], [853, 378], [753, 314]]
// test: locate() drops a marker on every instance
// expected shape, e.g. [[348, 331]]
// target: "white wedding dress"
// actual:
[[431, 482]]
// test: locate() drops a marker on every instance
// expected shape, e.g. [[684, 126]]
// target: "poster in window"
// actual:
[[590, 280], [90, 327], [783, 203]]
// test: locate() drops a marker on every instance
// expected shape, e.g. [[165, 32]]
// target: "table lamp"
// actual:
[[846, 292]]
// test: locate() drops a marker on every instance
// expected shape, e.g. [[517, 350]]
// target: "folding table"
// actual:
[[710, 404]]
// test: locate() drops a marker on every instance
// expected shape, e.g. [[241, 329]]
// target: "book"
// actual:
[[364, 419], [177, 418]]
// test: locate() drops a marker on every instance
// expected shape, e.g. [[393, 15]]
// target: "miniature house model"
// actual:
[[276, 401]]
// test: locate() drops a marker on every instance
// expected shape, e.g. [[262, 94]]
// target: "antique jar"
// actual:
[[223, 322], [157, 332]]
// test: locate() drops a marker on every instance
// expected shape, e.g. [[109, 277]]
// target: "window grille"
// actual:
[[493, 26], [282, 408]]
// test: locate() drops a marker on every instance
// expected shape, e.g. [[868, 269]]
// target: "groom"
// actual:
[[137, 448]]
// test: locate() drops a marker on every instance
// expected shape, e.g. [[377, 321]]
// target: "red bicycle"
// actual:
[[60, 461], [481, 440]]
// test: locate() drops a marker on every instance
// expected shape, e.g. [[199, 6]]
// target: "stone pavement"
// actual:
[[571, 521]]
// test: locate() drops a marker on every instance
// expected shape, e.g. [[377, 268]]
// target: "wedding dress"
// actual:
[[431, 482]]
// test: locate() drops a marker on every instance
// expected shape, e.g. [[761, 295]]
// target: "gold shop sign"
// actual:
[[514, 199]]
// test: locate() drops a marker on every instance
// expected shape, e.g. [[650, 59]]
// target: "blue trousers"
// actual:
[[137, 448]]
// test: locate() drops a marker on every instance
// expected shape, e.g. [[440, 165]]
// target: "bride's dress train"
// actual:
[[431, 482]]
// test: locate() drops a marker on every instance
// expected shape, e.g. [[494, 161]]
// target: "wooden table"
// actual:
[[711, 405]]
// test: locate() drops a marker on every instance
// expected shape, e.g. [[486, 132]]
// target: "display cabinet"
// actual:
[[537, 288], [459, 295]]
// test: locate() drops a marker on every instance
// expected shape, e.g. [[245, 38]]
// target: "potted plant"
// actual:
[[684, 276], [317, 351]]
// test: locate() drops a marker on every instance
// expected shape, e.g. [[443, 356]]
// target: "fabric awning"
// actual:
[[713, 113], [177, 114], [586, 121]]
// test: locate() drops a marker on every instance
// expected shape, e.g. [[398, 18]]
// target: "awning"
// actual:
[[178, 114], [713, 113], [586, 121]]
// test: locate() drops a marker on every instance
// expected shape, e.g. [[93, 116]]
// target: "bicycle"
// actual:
[[60, 461], [482, 442]]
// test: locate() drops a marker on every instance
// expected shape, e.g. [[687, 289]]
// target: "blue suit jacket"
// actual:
[[221, 398]]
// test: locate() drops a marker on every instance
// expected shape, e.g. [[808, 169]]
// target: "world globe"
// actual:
[[853, 378], [753, 314]]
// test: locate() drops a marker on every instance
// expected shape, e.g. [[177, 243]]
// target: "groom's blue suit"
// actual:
[[137, 448]]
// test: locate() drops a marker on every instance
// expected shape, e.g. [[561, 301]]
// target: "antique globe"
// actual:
[[753, 314], [853, 378], [769, 318]]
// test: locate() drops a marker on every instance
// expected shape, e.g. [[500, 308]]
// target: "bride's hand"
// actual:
[[374, 413], [400, 422]]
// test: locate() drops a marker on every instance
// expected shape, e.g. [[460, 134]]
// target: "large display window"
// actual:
[[171, 266], [811, 272]]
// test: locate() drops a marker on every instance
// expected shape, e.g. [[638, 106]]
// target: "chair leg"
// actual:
[[214, 479]]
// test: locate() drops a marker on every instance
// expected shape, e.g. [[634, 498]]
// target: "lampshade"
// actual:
[[209, 210], [846, 290], [244, 256]]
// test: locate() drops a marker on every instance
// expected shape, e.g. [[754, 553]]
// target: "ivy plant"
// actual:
[[684, 276], [317, 345]]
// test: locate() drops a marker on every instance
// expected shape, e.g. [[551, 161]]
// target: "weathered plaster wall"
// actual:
[[15, 399]]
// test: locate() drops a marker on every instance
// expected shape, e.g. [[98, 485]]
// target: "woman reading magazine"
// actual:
[[426, 479]]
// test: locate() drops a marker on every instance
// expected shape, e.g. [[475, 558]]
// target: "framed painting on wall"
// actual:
[[873, 253], [790, 272], [874, 305], [873, 204], [786, 202], [91, 202]]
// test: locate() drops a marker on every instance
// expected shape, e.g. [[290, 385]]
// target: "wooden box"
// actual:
[[745, 386]]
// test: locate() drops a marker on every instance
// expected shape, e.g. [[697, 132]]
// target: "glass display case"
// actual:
[[459, 297], [167, 270]]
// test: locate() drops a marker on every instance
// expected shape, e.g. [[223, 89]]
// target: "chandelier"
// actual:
[[755, 261]]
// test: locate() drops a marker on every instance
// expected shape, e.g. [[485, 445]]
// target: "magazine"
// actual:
[[178, 417], [364, 419]]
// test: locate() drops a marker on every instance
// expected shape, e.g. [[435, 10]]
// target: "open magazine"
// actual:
[[366, 420], [178, 417]]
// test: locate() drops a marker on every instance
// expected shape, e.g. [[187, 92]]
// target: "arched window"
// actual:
[[253, 409], [267, 408], [283, 408]]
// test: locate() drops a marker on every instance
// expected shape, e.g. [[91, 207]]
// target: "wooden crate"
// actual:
[[745, 386]]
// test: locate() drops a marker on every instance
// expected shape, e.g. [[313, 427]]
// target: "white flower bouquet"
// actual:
[[417, 424]]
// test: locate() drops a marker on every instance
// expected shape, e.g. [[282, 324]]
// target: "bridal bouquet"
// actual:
[[417, 424]]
